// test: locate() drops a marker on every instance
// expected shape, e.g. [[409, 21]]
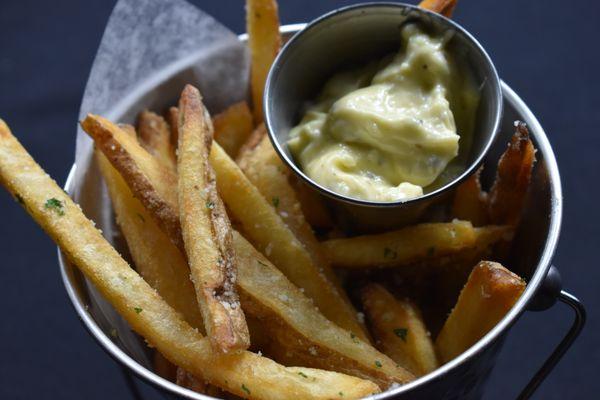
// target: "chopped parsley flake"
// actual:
[[401, 333], [378, 363], [275, 202], [245, 389], [261, 263], [341, 394], [389, 254], [137, 310], [302, 374], [431, 251], [354, 339], [210, 205], [55, 205]]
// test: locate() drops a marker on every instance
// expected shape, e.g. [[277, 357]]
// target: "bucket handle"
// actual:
[[549, 292]]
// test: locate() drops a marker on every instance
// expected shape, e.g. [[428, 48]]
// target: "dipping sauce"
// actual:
[[387, 131]]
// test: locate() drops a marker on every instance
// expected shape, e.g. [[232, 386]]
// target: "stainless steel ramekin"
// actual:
[[465, 376], [355, 35]]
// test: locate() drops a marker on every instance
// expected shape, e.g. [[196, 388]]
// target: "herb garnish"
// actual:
[[245, 389], [378, 363], [55, 205], [275, 201], [137, 310], [302, 374], [401, 333], [354, 339], [210, 205]]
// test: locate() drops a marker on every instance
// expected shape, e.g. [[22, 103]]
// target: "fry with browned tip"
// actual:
[[444, 7], [232, 127], [264, 41], [141, 306], [509, 192], [490, 292], [155, 136], [399, 330], [206, 229], [470, 202]]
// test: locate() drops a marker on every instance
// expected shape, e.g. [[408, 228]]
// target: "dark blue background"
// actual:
[[546, 50]]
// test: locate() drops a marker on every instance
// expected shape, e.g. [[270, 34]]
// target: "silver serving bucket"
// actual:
[[463, 377]]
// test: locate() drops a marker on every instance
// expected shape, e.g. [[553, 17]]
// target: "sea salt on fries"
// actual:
[[145, 311], [399, 330]]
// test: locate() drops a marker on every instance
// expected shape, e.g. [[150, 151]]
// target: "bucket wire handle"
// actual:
[[563, 346]]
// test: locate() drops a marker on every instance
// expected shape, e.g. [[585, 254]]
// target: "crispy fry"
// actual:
[[155, 135], [129, 129], [399, 330], [470, 203], [268, 233], [509, 192], [405, 246], [141, 171], [264, 41], [253, 140], [142, 307], [233, 127], [291, 319], [489, 294], [157, 260], [173, 120], [206, 229], [444, 7], [313, 207], [266, 171]]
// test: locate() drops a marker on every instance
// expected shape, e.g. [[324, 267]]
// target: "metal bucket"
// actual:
[[463, 377]]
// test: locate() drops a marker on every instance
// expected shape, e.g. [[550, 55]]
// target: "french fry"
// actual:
[[509, 192], [246, 205], [252, 141], [488, 295], [142, 171], [245, 374], [399, 330], [444, 7], [157, 260], [269, 234], [172, 116], [291, 319], [206, 229], [265, 170], [129, 129], [264, 41], [233, 127], [470, 203], [402, 247], [155, 137]]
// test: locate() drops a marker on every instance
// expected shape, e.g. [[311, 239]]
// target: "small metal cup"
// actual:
[[355, 35]]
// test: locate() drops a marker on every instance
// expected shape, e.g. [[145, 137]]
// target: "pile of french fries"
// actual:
[[240, 279]]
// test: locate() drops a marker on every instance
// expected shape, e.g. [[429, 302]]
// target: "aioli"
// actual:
[[385, 131]]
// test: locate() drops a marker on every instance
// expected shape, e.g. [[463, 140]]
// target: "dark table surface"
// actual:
[[547, 50]]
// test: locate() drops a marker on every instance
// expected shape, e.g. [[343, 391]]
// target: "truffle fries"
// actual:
[[145, 311], [402, 247], [444, 7], [470, 203], [509, 192], [233, 127], [299, 330], [264, 41], [399, 330], [265, 170], [206, 229], [490, 292], [155, 136]]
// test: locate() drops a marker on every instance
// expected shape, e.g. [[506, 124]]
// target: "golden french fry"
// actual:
[[291, 319], [399, 330], [405, 246], [266, 171], [509, 192], [268, 233], [444, 7], [129, 129], [145, 311], [172, 116], [470, 203], [488, 295], [140, 169], [206, 229], [155, 137], [251, 142], [233, 127], [264, 41], [257, 216], [157, 260]]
